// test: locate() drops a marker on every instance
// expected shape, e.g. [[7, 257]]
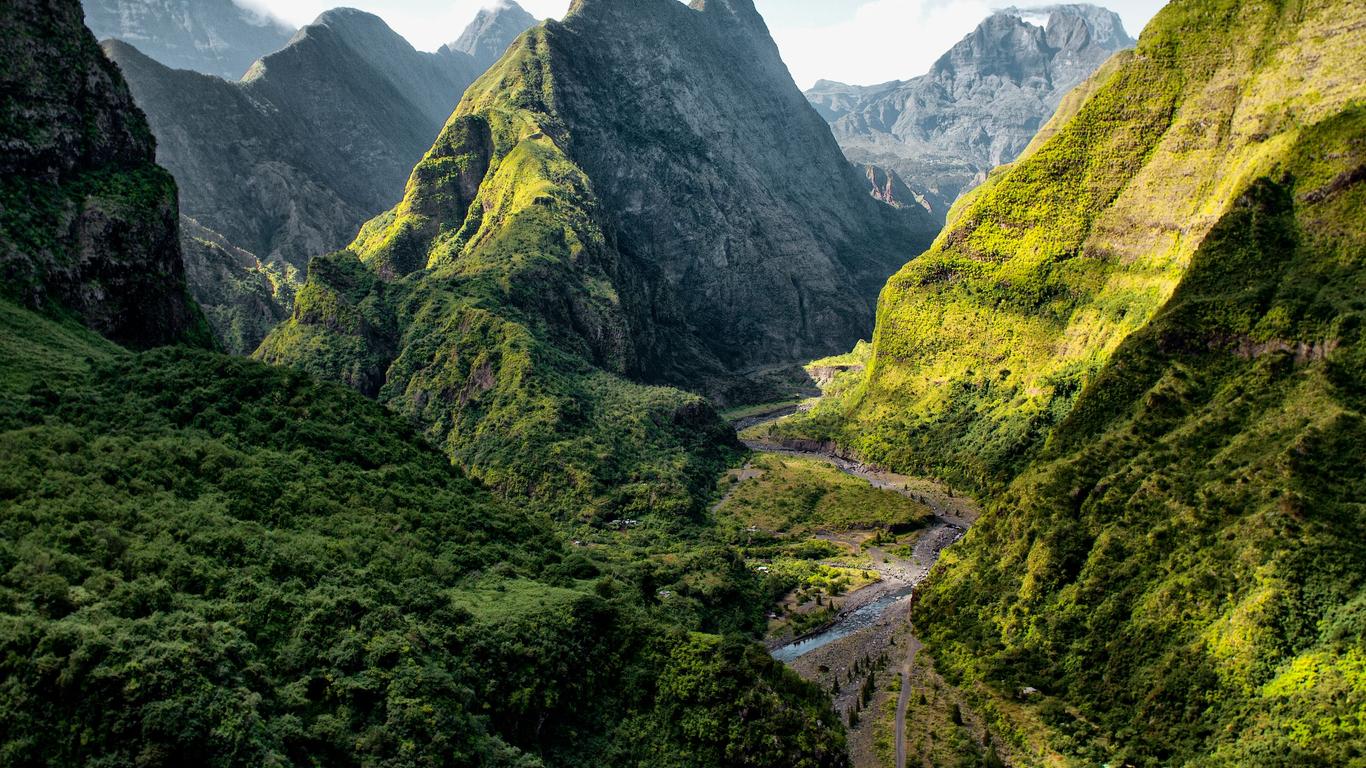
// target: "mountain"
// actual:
[[216, 37], [573, 237], [291, 160], [87, 219], [491, 32], [209, 561], [979, 105], [1144, 341]]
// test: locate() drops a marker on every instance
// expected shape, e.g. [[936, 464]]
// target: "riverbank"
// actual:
[[872, 635]]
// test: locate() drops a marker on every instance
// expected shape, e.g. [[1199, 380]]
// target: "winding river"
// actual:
[[900, 576]]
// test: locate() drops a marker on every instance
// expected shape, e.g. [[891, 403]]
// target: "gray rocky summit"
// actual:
[[216, 37], [488, 36], [979, 105]]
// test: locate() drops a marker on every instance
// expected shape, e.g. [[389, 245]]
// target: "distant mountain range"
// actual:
[[216, 37], [980, 104], [287, 163]]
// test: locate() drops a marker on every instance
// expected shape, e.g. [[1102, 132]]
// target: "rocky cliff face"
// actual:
[[980, 104], [87, 219], [216, 37], [288, 163], [573, 235], [493, 29], [756, 249]]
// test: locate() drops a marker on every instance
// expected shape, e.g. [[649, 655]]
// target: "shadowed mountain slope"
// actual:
[[87, 219], [288, 163], [216, 37]]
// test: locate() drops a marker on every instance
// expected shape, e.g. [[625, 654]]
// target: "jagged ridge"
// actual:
[[288, 163]]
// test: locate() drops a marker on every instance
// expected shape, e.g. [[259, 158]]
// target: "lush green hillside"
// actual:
[[207, 561], [515, 304], [984, 343], [1145, 340], [1185, 564]]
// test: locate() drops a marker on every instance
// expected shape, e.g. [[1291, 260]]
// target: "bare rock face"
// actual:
[[887, 187], [289, 162], [981, 103], [216, 37], [489, 35], [724, 190], [87, 218]]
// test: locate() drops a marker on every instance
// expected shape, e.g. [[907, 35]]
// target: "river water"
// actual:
[[860, 619]]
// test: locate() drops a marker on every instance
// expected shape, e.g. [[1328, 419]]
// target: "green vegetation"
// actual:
[[794, 495], [1192, 540], [985, 342], [209, 561], [1144, 339], [484, 309]]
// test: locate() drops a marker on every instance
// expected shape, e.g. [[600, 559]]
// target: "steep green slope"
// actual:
[[984, 343], [1185, 563], [516, 302], [87, 219]]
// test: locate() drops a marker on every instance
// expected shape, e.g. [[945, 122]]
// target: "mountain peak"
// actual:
[[492, 31], [1103, 26], [216, 37], [742, 10]]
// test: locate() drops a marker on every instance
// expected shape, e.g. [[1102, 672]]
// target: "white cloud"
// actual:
[[883, 40]]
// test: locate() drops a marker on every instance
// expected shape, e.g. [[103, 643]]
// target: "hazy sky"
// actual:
[[855, 41]]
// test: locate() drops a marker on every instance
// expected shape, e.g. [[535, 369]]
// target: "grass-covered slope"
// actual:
[[209, 561], [499, 306], [1182, 571], [984, 343]]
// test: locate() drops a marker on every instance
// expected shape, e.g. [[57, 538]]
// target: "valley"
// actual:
[[869, 631], [585, 394]]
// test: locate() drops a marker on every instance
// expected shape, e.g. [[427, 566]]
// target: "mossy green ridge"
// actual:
[[1185, 562], [210, 561], [985, 342], [1144, 339], [87, 219], [503, 306]]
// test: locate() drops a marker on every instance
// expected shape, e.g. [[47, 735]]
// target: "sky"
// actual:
[[862, 42]]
